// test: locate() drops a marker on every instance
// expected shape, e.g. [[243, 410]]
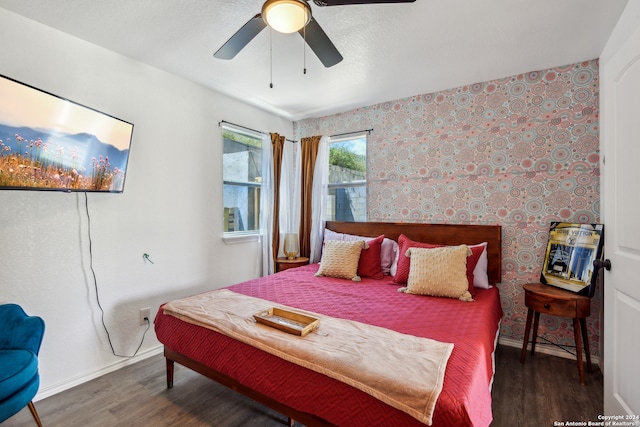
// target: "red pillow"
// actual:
[[472, 260], [369, 264], [402, 270]]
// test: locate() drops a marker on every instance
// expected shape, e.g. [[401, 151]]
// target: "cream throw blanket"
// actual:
[[404, 371]]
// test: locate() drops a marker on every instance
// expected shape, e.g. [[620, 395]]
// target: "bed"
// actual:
[[315, 399]]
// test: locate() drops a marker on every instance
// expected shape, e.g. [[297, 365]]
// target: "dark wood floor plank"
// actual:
[[543, 390]]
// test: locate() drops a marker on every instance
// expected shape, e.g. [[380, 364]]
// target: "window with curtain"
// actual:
[[242, 180], [347, 192]]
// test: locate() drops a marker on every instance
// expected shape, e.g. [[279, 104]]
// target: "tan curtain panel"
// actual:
[[277, 145], [309, 147]]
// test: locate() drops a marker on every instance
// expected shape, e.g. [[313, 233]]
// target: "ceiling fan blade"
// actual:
[[241, 38], [320, 43], [350, 2]]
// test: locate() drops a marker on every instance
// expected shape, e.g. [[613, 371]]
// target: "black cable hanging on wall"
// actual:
[[95, 285]]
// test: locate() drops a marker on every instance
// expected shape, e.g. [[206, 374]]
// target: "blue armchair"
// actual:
[[20, 339]]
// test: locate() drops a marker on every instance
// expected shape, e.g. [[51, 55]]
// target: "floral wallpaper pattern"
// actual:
[[521, 152]]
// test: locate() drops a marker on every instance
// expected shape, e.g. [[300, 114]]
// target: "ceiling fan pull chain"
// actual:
[[270, 58], [304, 50]]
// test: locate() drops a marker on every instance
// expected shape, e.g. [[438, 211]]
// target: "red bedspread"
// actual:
[[471, 326]]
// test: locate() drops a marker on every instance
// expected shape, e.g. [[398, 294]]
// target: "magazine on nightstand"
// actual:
[[571, 250]]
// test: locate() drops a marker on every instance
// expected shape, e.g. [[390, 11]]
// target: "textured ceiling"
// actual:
[[390, 51]]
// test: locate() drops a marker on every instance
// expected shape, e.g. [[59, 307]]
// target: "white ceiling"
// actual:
[[390, 51]]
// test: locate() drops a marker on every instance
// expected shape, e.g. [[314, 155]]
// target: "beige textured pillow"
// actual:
[[340, 259], [439, 272]]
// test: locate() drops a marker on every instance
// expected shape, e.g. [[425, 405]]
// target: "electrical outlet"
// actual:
[[145, 315]]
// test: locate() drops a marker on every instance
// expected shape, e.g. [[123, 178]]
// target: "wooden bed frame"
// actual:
[[446, 234], [440, 234]]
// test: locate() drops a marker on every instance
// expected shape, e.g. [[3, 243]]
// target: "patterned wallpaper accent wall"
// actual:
[[521, 152]]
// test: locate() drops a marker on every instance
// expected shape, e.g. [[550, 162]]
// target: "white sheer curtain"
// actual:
[[266, 205], [319, 199], [289, 191]]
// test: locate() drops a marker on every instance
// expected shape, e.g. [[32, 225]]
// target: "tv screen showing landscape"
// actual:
[[50, 143]]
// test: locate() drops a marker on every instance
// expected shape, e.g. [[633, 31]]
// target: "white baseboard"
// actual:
[[72, 382], [550, 349]]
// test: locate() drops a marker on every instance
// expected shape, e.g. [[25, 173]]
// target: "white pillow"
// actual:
[[480, 276]]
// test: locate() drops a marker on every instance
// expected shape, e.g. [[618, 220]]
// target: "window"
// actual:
[[347, 199], [241, 175]]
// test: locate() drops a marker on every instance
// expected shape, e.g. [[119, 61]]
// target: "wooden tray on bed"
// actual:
[[287, 321]]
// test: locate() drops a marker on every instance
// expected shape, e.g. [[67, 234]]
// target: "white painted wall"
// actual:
[[171, 207]]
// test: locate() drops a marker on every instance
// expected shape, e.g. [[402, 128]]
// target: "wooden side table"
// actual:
[[286, 263], [540, 298]]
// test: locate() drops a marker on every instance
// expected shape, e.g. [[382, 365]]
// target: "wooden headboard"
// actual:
[[440, 234]]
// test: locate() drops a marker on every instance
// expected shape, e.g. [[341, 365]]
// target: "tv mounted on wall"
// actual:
[[51, 143]]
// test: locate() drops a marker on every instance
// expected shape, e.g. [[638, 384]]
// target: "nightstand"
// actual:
[[540, 298], [286, 263]]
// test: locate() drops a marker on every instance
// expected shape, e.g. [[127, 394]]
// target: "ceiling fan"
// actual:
[[289, 16]]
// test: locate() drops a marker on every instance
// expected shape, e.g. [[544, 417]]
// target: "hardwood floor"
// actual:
[[544, 390]]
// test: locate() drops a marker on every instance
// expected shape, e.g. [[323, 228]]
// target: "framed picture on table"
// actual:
[[571, 250]]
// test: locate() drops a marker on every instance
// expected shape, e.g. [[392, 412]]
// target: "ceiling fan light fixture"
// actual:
[[286, 16]]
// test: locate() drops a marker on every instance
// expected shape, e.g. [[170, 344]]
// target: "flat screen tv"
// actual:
[[51, 143]]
